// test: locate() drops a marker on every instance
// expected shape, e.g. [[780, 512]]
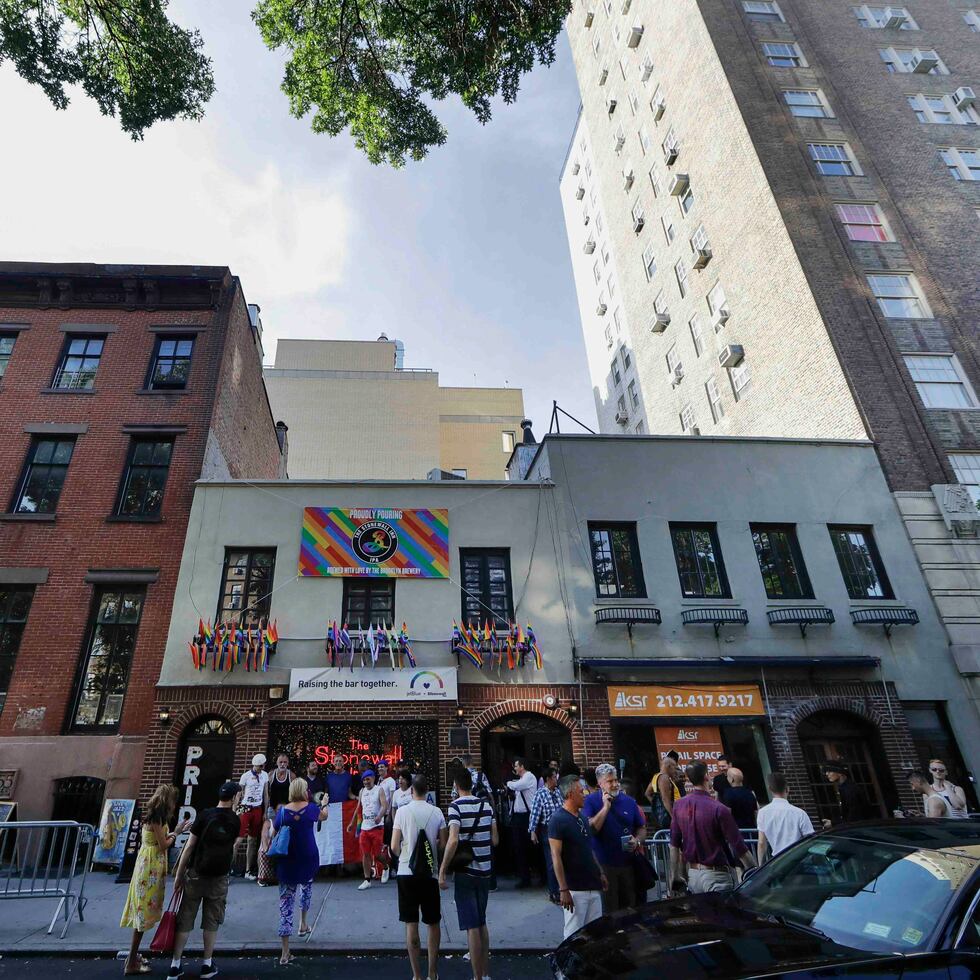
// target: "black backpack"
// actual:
[[214, 849], [422, 863]]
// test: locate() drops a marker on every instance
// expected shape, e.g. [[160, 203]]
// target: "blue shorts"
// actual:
[[471, 894]]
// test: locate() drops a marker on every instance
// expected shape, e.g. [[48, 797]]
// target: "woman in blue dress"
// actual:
[[299, 867]]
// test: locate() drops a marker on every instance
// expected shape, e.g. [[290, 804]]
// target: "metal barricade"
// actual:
[[47, 859], [658, 854]]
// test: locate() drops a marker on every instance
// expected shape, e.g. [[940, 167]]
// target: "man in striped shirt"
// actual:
[[471, 822], [546, 801]]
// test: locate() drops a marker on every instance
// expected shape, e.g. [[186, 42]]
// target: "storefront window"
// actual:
[[781, 562], [699, 562], [616, 561]]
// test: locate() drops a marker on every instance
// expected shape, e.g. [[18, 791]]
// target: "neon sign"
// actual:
[[358, 750]]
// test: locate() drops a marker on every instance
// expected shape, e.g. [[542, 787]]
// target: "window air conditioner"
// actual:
[[660, 322], [659, 108], [626, 6], [678, 184], [636, 32], [670, 153], [575, 169], [702, 257], [579, 192], [923, 64], [893, 18], [646, 70], [610, 106], [678, 374], [731, 355], [589, 17], [618, 140], [721, 317], [627, 178], [695, 430], [638, 224], [622, 418], [589, 246], [585, 218], [603, 75], [964, 97], [601, 308]]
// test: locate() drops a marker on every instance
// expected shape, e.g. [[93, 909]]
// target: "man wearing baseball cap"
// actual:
[[253, 783], [372, 803], [852, 802]]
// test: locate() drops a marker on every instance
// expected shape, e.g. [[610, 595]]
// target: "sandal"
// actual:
[[303, 933], [143, 968], [286, 962]]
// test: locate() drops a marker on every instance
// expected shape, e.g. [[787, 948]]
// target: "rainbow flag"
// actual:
[[406, 645], [532, 642]]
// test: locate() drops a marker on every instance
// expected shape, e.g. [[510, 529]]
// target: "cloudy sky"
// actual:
[[463, 256]]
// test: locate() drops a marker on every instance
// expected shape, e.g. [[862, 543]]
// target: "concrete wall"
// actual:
[[336, 355]]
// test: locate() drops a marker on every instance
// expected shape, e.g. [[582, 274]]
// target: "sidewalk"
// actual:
[[342, 919]]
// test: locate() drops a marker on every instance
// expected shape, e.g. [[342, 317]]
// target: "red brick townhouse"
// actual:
[[119, 387]]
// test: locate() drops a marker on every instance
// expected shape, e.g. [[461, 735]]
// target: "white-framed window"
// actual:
[[639, 428], [680, 271], [972, 19], [966, 466], [622, 68], [673, 359], [637, 213], [864, 223], [621, 405], [717, 301], [603, 305], [609, 337], [962, 164], [644, 137], [624, 356], [903, 60], [783, 54], [940, 381], [634, 101], [807, 103], [741, 377], [834, 159], [879, 17], [763, 10], [459, 471], [598, 222], [942, 109], [604, 252], [617, 34], [688, 421], [603, 74], [597, 272], [633, 394], [686, 201], [596, 44], [619, 139], [899, 295], [588, 169], [611, 285], [582, 145], [618, 320], [649, 262], [671, 145], [660, 302], [697, 334], [668, 226], [646, 68], [608, 7], [656, 181], [508, 440], [614, 371], [658, 101], [714, 400], [699, 239]]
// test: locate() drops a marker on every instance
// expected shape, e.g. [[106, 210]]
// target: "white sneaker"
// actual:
[[364, 884], [385, 875], [251, 877]]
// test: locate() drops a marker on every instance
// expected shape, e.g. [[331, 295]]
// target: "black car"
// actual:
[[876, 899]]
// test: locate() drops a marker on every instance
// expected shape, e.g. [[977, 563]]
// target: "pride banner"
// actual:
[[370, 541]]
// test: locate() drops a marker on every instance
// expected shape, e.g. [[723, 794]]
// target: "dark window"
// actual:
[[171, 362], [44, 476], [7, 341], [246, 585], [860, 563], [486, 585], [79, 362], [781, 562], [616, 561], [699, 564], [368, 600], [145, 477], [111, 641], [14, 606]]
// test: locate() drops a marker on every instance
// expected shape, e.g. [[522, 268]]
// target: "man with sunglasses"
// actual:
[[953, 795]]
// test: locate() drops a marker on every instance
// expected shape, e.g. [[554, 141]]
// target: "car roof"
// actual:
[[962, 836]]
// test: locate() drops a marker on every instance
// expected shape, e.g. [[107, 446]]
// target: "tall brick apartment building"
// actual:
[[772, 209], [120, 386]]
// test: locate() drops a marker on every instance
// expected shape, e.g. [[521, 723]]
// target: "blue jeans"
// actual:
[[471, 895], [549, 866]]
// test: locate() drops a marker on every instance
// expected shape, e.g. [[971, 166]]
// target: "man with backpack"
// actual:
[[202, 873], [472, 832], [417, 833], [481, 784]]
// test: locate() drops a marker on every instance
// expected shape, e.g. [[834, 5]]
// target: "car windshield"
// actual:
[[878, 897]]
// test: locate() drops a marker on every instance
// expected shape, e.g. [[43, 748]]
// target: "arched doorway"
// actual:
[[839, 736], [205, 759], [530, 736]]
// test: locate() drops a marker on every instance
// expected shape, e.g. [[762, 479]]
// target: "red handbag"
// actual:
[[163, 938]]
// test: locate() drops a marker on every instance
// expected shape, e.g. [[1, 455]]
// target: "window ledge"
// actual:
[[607, 600], [874, 603], [68, 391], [778, 603], [162, 391], [710, 601], [133, 519], [29, 518]]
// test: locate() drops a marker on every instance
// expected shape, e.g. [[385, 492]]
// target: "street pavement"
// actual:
[[343, 920], [507, 966]]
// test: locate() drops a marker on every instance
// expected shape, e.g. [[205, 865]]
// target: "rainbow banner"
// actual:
[[367, 541]]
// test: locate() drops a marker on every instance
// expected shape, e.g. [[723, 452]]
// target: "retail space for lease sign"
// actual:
[[701, 743], [370, 684], [684, 700], [374, 541]]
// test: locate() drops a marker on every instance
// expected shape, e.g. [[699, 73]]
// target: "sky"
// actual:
[[462, 256]]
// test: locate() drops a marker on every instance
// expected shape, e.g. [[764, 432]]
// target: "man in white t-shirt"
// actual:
[[780, 823], [419, 892], [388, 787], [253, 784], [372, 805]]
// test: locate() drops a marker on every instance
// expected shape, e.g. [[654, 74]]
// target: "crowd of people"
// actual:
[[589, 829]]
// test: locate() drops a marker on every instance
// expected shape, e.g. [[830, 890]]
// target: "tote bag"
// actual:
[[279, 847], [163, 938]]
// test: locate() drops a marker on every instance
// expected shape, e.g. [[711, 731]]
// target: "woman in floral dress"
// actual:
[[144, 901]]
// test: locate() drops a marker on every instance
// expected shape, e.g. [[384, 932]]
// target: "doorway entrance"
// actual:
[[528, 736], [836, 736], [205, 760]]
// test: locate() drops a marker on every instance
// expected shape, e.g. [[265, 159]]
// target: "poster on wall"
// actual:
[[374, 541], [113, 830], [692, 744]]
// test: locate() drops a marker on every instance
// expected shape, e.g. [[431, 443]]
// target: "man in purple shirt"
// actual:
[[703, 832]]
